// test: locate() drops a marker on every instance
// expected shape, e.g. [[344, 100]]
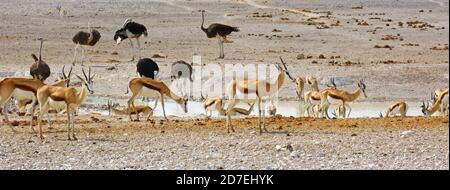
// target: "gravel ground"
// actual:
[[293, 143]]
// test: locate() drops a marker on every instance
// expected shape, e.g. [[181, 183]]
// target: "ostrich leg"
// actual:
[[220, 50], [132, 47], [138, 48], [75, 54], [221, 53], [82, 55]]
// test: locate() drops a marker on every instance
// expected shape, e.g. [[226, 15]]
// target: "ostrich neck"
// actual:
[[203, 22], [40, 53]]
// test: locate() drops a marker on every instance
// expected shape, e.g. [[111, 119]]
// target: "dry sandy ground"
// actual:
[[293, 143], [416, 62]]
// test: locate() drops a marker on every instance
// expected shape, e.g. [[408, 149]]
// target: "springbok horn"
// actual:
[[286, 70], [82, 70], [64, 73], [70, 72]]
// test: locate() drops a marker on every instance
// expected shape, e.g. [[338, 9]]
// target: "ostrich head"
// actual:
[[120, 35]]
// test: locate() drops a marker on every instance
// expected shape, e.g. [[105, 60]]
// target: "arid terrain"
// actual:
[[293, 143], [400, 49]]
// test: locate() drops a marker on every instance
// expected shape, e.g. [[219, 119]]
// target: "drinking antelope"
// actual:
[[399, 107], [436, 105], [147, 111], [216, 104], [213, 104], [148, 87]]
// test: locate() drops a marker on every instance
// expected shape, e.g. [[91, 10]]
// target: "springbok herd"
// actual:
[[60, 96]]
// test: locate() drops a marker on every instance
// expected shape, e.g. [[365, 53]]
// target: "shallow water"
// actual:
[[284, 108]]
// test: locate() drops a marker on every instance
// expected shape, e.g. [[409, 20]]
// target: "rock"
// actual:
[[372, 166], [289, 147], [111, 68], [276, 30], [301, 56], [15, 123], [408, 133], [159, 56], [285, 147], [278, 147], [94, 119], [294, 154]]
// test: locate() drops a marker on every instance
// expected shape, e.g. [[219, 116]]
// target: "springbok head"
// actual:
[[87, 80], [425, 107]]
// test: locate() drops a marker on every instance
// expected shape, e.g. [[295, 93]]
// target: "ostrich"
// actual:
[[130, 30], [220, 31], [83, 38], [146, 67], [181, 69], [39, 69]]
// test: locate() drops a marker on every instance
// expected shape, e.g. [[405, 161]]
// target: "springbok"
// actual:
[[22, 89], [312, 96], [399, 107], [445, 101], [260, 88], [52, 96], [216, 104], [22, 104], [213, 104], [147, 111], [299, 88], [147, 87], [340, 97], [436, 105]]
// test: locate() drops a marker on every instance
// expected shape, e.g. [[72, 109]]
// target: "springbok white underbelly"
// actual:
[[19, 94], [315, 102], [58, 105], [146, 92], [243, 96], [334, 101]]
